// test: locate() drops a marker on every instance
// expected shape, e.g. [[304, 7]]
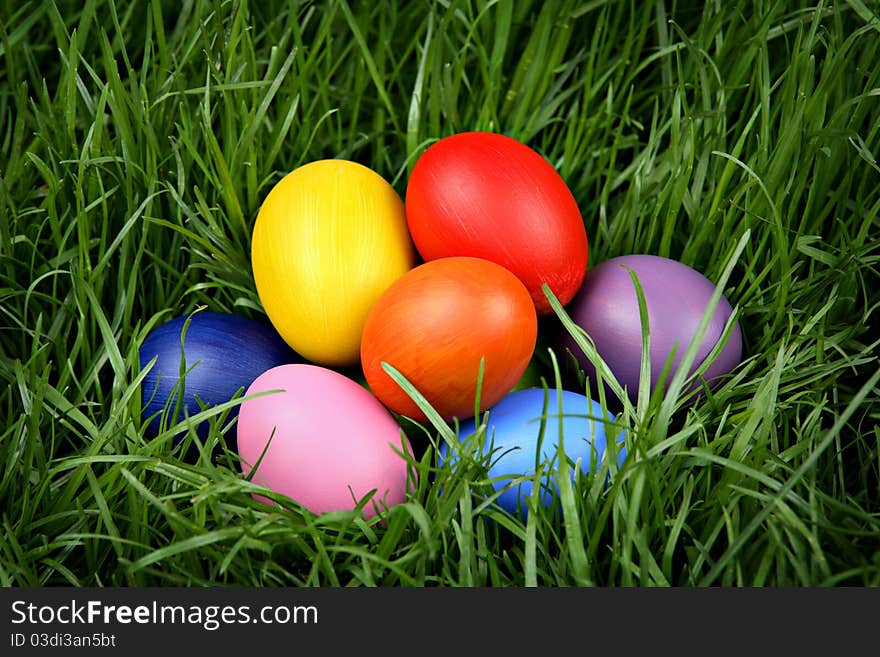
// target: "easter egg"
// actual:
[[676, 296], [490, 196], [514, 435], [321, 440], [221, 354], [436, 323], [330, 237]]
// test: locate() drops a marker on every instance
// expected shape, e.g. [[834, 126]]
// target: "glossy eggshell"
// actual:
[[490, 196], [676, 297], [330, 237], [436, 323], [332, 442], [512, 438], [223, 352]]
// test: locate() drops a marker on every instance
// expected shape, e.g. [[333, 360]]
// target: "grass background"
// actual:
[[137, 141]]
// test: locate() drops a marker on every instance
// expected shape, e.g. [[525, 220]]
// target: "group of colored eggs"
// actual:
[[334, 257]]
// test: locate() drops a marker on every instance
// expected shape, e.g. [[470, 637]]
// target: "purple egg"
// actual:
[[676, 296]]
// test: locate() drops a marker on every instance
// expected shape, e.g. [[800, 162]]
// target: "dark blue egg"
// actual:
[[513, 432], [223, 353]]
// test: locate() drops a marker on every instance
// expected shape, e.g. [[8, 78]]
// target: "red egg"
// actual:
[[435, 324], [489, 196]]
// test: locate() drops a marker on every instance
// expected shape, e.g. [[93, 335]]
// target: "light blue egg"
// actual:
[[513, 432]]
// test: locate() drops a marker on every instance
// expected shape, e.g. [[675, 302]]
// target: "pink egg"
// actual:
[[332, 442]]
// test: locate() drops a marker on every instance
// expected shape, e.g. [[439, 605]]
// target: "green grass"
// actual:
[[137, 141]]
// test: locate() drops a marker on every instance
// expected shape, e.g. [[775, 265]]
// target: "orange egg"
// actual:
[[435, 324]]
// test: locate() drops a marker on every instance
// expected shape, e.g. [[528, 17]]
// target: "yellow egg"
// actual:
[[330, 237]]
